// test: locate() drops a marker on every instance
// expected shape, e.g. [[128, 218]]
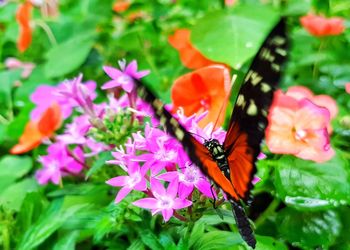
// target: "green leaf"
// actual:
[[31, 209], [217, 240], [68, 56], [12, 197], [265, 242], [67, 242], [16, 166], [136, 245], [312, 186], [99, 163], [149, 239], [233, 38], [51, 220], [309, 229]]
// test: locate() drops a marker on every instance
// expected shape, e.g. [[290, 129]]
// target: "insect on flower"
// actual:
[[231, 165]]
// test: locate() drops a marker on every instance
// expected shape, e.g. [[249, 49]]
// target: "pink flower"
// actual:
[[123, 78], [298, 127], [14, 63], [321, 26], [135, 181], [58, 163], [325, 101], [45, 95], [188, 178], [164, 201], [75, 132], [162, 150], [347, 87]]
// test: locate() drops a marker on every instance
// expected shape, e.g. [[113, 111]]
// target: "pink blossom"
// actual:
[[58, 163], [347, 87], [188, 177], [134, 181], [45, 95], [75, 132], [298, 127], [164, 201], [14, 63], [162, 150], [123, 78]]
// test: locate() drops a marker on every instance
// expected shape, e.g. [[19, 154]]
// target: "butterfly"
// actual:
[[231, 165]]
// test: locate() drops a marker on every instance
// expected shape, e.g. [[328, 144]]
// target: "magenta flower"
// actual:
[[75, 132], [164, 201], [58, 163], [123, 78], [162, 150], [45, 95], [78, 95], [189, 178], [135, 181]]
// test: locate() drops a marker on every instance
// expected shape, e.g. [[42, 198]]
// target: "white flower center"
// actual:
[[53, 167], [133, 180], [165, 203], [124, 79], [300, 134], [191, 175], [163, 155]]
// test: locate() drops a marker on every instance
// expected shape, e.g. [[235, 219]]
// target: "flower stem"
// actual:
[[267, 213], [48, 32], [315, 70], [6, 237]]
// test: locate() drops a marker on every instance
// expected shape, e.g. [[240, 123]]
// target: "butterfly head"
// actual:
[[211, 144]]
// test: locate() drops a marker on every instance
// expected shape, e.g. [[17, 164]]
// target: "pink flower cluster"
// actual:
[[67, 151], [154, 161], [299, 124]]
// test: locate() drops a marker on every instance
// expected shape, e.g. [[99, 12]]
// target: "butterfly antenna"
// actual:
[[234, 77], [197, 135]]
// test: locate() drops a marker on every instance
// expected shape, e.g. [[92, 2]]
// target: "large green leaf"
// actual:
[[310, 186], [68, 56], [233, 38], [67, 242], [265, 242], [16, 166], [309, 229], [12, 197], [52, 219], [217, 240]]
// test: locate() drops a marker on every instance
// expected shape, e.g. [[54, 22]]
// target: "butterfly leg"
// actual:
[[212, 193]]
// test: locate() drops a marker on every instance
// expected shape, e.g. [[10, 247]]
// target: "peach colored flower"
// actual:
[[347, 87], [23, 17], [300, 92], [189, 55], [322, 26], [230, 2], [36, 131], [121, 5], [203, 90], [298, 127]]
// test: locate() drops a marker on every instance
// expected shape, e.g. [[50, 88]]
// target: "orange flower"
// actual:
[[203, 90], [347, 87], [321, 26], [298, 127], [189, 55], [121, 6], [36, 131], [23, 16]]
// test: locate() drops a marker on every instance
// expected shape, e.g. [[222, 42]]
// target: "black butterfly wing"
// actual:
[[249, 117]]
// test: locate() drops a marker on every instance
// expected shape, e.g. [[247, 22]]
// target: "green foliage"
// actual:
[[304, 204]]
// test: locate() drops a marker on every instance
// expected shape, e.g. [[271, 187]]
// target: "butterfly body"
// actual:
[[218, 154]]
